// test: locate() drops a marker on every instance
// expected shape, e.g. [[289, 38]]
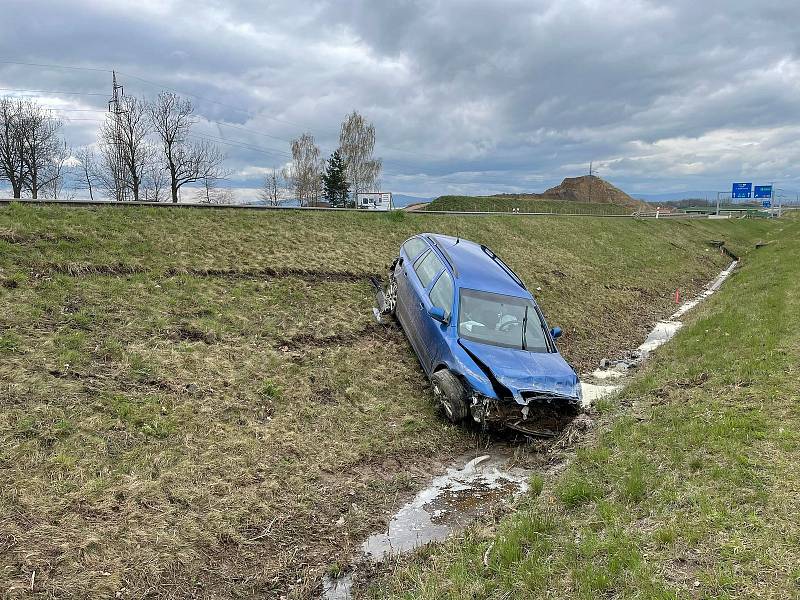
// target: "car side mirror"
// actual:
[[437, 313], [556, 332]]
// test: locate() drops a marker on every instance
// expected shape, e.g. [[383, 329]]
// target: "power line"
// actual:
[[29, 64], [234, 143], [147, 81], [59, 109], [220, 123], [242, 145], [274, 137], [239, 144], [225, 104], [55, 92]]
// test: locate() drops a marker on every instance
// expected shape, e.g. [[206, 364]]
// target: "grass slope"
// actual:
[[522, 204], [691, 489], [195, 403]]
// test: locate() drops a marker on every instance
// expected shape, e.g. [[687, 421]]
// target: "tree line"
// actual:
[[147, 151], [310, 179]]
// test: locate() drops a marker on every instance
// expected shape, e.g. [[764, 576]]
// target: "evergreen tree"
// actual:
[[335, 181]]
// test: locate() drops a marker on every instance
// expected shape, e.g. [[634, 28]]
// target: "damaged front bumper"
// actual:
[[541, 414]]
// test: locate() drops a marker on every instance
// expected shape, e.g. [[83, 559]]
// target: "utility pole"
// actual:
[[118, 167]]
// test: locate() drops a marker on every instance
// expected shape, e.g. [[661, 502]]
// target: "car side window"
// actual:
[[414, 247], [442, 293], [428, 268]]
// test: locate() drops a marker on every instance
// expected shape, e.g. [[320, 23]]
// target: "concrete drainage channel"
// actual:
[[473, 484]]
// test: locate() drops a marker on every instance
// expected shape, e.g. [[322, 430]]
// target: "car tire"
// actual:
[[450, 392]]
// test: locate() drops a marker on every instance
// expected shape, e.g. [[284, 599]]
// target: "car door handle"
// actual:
[[421, 306]]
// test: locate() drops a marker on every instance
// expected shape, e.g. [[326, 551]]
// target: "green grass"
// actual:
[[688, 489], [196, 402], [510, 204]]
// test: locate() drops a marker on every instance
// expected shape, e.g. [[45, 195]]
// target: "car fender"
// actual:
[[462, 364]]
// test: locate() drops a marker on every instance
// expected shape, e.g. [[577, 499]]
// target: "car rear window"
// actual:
[[414, 247], [442, 293], [428, 268]]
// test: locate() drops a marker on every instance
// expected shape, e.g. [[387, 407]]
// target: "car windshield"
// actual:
[[500, 321]]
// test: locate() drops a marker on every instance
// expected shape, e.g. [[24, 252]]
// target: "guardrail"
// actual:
[[202, 205], [168, 205]]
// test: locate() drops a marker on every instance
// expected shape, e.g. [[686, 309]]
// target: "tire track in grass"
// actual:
[[123, 270]]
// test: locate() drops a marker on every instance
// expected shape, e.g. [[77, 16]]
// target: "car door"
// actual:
[[432, 331], [406, 306], [426, 270]]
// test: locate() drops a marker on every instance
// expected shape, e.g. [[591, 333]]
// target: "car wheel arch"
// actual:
[[450, 391], [445, 367]]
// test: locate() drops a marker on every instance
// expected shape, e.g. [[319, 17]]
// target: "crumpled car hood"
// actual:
[[520, 370]]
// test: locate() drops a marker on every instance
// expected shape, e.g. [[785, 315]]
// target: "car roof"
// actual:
[[476, 267]]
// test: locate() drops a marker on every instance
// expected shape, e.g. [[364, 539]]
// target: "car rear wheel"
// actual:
[[449, 390]]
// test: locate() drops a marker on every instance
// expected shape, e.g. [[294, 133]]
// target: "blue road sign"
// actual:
[[741, 190], [762, 191], [766, 204]]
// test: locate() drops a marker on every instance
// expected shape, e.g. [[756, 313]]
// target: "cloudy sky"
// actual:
[[466, 96]]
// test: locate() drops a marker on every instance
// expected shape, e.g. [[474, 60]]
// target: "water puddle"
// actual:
[[337, 588], [472, 487], [476, 484], [449, 503], [592, 392]]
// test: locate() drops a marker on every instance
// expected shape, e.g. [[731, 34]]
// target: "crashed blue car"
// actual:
[[479, 335]]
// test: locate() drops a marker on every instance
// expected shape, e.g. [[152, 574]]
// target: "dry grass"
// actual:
[[525, 204], [194, 403]]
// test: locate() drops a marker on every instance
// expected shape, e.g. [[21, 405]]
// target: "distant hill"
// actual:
[[587, 194], [586, 189], [593, 189]]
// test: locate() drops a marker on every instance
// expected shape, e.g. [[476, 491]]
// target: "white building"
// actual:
[[374, 200]]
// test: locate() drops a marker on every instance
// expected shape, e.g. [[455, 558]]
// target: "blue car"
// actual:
[[480, 336]]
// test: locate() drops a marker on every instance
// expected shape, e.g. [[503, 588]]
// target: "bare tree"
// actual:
[[305, 172], [58, 170], [186, 162], [156, 181], [111, 177], [87, 170], [275, 189], [211, 189], [32, 155], [12, 149], [124, 134], [211, 194], [45, 151], [356, 144]]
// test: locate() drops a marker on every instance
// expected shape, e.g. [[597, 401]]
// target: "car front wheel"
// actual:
[[450, 392]]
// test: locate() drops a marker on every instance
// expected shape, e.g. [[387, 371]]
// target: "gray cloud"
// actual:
[[469, 96]]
